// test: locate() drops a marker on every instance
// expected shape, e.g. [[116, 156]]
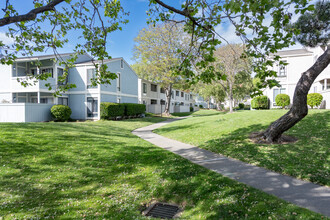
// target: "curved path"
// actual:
[[301, 193]]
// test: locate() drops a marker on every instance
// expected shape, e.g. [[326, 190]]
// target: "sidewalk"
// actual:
[[301, 193]]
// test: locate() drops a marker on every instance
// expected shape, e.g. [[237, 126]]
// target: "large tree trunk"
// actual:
[[299, 107], [168, 94]]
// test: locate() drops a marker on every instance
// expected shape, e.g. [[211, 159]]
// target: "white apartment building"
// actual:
[[299, 61], [153, 96]]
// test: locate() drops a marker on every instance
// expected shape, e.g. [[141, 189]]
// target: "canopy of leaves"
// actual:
[[158, 53], [314, 26]]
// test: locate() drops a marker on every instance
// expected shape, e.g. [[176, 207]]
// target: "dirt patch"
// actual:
[[257, 138]]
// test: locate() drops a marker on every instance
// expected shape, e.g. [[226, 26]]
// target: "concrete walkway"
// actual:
[[298, 192]]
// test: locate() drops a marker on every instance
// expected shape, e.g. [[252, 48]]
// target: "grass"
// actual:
[[99, 170], [227, 134], [203, 112]]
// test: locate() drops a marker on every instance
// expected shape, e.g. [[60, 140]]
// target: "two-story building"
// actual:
[[153, 96], [299, 61], [33, 102]]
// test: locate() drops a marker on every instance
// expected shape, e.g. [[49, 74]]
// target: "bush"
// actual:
[[247, 107], [260, 102], [201, 106], [314, 99], [282, 100], [61, 112], [111, 110], [191, 109], [132, 109], [241, 105]]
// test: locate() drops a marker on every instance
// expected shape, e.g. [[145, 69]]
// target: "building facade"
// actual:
[[299, 61], [153, 96], [84, 100]]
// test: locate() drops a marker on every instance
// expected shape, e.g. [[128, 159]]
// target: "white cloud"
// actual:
[[6, 40]]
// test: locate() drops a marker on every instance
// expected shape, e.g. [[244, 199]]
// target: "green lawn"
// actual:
[[204, 112], [227, 134], [99, 170]]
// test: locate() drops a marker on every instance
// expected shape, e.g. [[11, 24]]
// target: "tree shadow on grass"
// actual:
[[306, 159], [99, 172]]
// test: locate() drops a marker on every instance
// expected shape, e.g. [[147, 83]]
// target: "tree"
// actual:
[[93, 20], [202, 17], [157, 56], [231, 63]]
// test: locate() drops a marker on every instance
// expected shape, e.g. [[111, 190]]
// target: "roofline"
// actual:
[[43, 57]]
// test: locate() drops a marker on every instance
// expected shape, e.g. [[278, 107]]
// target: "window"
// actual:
[[122, 63], [92, 107], [191, 96], [118, 100], [315, 89], [47, 71], [162, 90], [34, 72], [118, 83], [181, 94], [278, 91], [44, 100], [153, 88], [63, 101], [91, 73], [162, 102], [60, 73], [144, 88], [177, 93], [19, 69], [282, 69], [153, 101], [172, 95]]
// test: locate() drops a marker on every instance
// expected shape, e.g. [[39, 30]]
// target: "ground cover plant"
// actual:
[[228, 134], [99, 170]]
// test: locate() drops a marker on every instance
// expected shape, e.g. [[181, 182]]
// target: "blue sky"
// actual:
[[120, 43]]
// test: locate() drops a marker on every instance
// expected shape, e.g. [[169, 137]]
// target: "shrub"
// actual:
[[282, 100], [191, 109], [241, 105], [260, 102], [200, 106], [61, 112], [247, 107], [314, 99], [111, 110], [132, 109]]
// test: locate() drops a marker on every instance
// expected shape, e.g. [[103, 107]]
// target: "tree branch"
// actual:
[[30, 15]]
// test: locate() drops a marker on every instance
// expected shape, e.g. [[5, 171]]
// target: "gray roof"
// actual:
[[293, 52], [98, 61], [43, 57]]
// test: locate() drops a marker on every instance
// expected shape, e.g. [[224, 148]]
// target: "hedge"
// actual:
[[61, 112], [314, 99], [112, 110], [132, 109], [241, 105], [260, 102], [282, 100]]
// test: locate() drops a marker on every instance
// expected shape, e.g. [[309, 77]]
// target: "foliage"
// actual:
[[260, 102], [111, 110], [227, 134], [201, 106], [103, 166], [93, 21], [191, 109], [204, 20], [314, 26], [132, 109], [314, 99], [241, 105], [282, 100], [61, 112], [157, 55]]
